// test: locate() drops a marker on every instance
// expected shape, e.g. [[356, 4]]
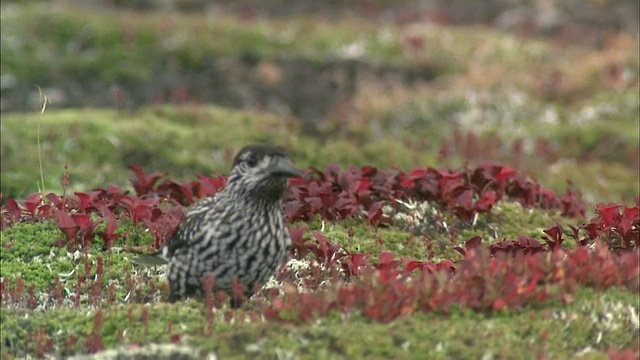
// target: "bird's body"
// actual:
[[240, 233]]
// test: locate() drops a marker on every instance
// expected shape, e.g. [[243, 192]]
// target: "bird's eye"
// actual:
[[252, 161]]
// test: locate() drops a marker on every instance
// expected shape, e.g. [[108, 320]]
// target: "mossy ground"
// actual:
[[495, 85], [33, 251], [187, 140], [593, 322], [588, 327], [500, 87]]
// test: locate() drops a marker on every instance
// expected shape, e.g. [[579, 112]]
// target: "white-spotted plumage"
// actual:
[[239, 233]]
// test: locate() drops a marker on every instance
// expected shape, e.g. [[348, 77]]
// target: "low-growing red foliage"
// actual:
[[333, 194], [481, 281], [511, 273]]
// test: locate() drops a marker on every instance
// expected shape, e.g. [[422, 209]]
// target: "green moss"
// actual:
[[508, 220], [430, 238], [594, 320], [368, 240], [179, 141], [72, 39], [98, 145], [592, 142], [495, 87], [30, 251]]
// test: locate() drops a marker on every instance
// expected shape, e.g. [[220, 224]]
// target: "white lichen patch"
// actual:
[[152, 351]]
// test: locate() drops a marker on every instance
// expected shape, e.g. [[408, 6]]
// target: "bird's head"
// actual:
[[261, 171]]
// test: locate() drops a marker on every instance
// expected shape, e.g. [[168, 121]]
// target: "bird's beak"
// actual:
[[283, 167]]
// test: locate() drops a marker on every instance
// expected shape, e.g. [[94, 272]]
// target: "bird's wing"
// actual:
[[201, 219], [180, 238], [192, 224]]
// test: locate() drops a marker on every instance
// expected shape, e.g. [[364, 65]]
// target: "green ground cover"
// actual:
[[488, 90]]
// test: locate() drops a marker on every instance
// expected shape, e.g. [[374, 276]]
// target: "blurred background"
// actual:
[[177, 86]]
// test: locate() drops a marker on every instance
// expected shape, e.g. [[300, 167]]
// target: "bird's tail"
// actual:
[[153, 259]]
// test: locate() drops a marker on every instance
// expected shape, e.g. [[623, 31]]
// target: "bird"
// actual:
[[239, 234]]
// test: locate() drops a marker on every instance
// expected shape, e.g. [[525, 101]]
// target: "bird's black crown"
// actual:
[[259, 151]]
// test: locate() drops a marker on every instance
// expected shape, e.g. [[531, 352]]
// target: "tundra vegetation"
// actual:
[[468, 190]]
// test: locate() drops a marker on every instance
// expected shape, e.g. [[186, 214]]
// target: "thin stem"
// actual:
[[44, 100]]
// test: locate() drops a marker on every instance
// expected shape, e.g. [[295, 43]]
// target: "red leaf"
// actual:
[[576, 236], [472, 243], [592, 229], [375, 212], [315, 202], [322, 240], [631, 213], [387, 272], [13, 208], [460, 250], [418, 173], [143, 184], [412, 265], [556, 237], [607, 212], [32, 203], [237, 289], [504, 174], [82, 220], [464, 200], [295, 182], [112, 226], [362, 185], [486, 201], [445, 265], [580, 255], [85, 200], [114, 190], [385, 257], [298, 241], [345, 206], [66, 224], [45, 210], [386, 262], [369, 171], [555, 232], [468, 245], [327, 251], [210, 185], [63, 220], [498, 304], [406, 182], [297, 232], [352, 263], [55, 200], [531, 286], [358, 259], [624, 226]]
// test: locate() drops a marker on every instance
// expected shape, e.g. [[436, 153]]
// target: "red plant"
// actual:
[[621, 230], [93, 341], [76, 227], [326, 252], [143, 183], [510, 273]]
